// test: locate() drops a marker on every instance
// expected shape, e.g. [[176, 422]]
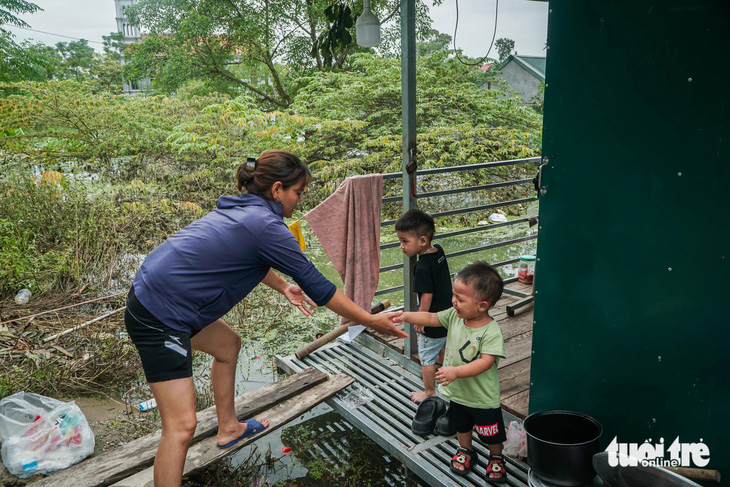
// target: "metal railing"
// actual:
[[456, 211]]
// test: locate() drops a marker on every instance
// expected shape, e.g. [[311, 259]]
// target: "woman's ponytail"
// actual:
[[256, 176], [245, 173]]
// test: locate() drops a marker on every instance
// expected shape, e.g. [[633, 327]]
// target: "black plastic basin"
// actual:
[[561, 445]]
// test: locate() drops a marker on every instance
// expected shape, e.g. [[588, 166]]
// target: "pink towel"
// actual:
[[348, 227]]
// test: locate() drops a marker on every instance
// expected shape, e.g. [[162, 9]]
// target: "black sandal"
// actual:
[[466, 458], [497, 468]]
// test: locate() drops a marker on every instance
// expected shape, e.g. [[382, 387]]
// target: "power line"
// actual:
[[57, 35], [494, 34]]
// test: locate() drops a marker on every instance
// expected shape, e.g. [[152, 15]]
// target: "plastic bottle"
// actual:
[[23, 296], [147, 405]]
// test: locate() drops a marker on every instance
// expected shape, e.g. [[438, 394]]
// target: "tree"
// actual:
[[14, 64], [504, 47], [72, 121], [335, 41], [73, 60], [359, 112], [107, 67], [9, 7], [433, 41], [208, 39], [198, 39], [78, 58]]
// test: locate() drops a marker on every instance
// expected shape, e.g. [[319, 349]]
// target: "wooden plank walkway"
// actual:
[[379, 404], [206, 451], [279, 402]]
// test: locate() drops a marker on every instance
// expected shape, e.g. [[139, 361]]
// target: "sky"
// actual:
[[79, 19], [524, 21]]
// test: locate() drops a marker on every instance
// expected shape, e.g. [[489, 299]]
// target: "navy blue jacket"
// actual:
[[199, 274]]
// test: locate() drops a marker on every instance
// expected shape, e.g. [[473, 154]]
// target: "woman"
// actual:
[[195, 277]]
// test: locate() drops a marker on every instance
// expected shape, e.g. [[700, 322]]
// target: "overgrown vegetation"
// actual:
[[91, 182]]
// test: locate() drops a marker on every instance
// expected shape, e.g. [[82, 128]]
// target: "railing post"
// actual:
[[408, 101]]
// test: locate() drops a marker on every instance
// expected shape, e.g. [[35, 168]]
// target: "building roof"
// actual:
[[532, 64]]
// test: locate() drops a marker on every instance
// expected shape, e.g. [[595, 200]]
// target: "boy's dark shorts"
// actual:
[[165, 352], [488, 423]]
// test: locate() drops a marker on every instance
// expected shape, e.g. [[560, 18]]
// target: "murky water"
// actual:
[[323, 448]]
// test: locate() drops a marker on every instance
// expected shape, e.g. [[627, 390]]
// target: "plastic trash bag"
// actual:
[[42, 435], [516, 444], [358, 397]]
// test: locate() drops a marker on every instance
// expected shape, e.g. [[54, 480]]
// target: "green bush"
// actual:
[[56, 232]]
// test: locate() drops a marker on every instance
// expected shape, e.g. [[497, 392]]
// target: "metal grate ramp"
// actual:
[[386, 413]]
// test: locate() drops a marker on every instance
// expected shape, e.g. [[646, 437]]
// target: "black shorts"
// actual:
[[488, 423], [165, 352]]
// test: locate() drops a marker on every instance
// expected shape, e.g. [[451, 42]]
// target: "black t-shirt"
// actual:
[[432, 276]]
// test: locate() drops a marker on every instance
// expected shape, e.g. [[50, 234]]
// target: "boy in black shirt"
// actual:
[[415, 230]]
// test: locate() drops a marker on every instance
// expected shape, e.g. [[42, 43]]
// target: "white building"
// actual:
[[131, 35]]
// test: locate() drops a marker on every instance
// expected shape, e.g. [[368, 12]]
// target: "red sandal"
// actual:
[[464, 457], [496, 469]]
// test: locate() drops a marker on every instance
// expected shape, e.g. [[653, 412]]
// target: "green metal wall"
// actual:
[[632, 312]]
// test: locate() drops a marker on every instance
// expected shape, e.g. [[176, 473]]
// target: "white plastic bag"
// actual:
[[42, 435], [357, 397], [516, 444]]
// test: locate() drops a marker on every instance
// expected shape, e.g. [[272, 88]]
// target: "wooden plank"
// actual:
[[205, 452], [517, 348], [514, 378], [517, 404], [516, 325], [113, 465]]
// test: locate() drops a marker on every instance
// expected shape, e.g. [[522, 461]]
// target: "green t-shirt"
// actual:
[[464, 345]]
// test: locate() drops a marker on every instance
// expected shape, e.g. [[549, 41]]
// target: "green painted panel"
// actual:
[[633, 280]]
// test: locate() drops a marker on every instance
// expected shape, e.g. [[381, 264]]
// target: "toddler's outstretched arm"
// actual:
[[419, 318]]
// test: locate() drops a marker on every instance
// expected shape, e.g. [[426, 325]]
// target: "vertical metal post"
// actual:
[[408, 97]]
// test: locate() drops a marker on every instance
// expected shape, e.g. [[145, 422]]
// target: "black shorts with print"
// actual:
[[488, 423], [165, 352]]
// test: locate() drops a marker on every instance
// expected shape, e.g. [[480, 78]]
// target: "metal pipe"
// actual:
[[408, 150], [466, 167], [490, 246], [468, 210], [516, 182], [464, 232], [472, 250]]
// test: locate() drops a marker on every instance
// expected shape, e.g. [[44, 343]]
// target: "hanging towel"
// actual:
[[348, 227]]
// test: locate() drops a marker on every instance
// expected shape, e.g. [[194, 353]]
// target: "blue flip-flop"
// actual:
[[252, 427]]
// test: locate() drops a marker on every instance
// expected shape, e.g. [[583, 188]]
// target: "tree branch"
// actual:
[[391, 14], [249, 86]]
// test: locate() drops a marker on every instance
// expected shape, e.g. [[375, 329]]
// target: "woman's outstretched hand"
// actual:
[[296, 297], [384, 323]]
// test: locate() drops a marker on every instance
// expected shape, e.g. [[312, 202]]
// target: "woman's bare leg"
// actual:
[[220, 341], [176, 403]]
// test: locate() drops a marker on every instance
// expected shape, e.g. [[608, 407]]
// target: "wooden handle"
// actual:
[[306, 350], [697, 474]]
